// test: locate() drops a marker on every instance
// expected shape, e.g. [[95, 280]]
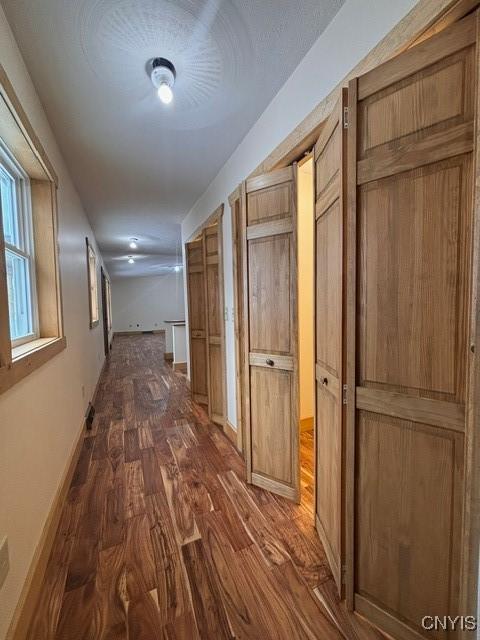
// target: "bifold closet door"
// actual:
[[197, 321], [215, 324], [411, 140], [270, 309], [329, 157]]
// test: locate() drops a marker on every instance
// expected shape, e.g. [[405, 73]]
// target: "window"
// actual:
[[92, 285], [31, 319], [15, 203]]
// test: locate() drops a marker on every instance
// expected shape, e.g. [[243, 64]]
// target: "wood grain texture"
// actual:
[[410, 301], [183, 550], [270, 334]]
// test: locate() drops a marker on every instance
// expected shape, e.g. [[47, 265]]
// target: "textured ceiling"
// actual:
[[138, 165]]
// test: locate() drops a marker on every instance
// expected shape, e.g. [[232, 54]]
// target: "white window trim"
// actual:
[[24, 207]]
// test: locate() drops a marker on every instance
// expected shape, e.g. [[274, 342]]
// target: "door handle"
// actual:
[[325, 381], [270, 362]]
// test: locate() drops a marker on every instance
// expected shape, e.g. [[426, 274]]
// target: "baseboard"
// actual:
[[230, 432], [180, 366], [306, 424], [168, 356], [32, 587]]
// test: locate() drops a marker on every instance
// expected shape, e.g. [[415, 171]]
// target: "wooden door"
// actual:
[[215, 322], [270, 332], [329, 156], [197, 320], [411, 124]]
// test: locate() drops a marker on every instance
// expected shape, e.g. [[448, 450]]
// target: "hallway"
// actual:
[[150, 544]]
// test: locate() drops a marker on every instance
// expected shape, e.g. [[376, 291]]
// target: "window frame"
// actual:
[[17, 361], [92, 285], [23, 201]]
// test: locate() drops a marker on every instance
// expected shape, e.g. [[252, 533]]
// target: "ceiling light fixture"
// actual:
[[133, 243], [130, 260], [163, 76]]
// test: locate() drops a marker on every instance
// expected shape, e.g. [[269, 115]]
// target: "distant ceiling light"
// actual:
[[177, 267], [163, 76], [130, 260], [133, 244]]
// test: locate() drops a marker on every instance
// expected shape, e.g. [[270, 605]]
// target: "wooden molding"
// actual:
[[24, 365], [34, 581], [13, 103]]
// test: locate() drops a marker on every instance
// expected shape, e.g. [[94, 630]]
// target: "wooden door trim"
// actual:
[[350, 342], [234, 200], [246, 332]]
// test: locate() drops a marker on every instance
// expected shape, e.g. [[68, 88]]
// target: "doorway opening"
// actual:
[[306, 340]]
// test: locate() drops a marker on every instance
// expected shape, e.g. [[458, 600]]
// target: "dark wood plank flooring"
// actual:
[[161, 538], [307, 471]]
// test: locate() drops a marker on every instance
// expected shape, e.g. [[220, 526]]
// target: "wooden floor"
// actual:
[[306, 469], [160, 536]]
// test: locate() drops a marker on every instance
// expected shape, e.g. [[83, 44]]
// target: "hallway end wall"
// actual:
[[144, 303]]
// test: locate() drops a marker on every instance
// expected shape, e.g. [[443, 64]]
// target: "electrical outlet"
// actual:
[[4, 561]]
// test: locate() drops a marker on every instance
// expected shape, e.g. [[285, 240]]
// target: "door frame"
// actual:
[[106, 341]]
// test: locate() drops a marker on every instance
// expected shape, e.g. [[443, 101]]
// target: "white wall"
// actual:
[[142, 304], [41, 416], [355, 30], [306, 266]]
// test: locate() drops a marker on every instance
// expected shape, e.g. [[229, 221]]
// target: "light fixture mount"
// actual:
[[163, 75]]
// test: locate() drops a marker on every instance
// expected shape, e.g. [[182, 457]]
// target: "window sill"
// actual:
[[27, 358]]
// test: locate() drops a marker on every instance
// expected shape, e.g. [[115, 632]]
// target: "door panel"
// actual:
[[329, 274], [271, 368], [269, 291], [197, 321], [214, 313], [409, 288]]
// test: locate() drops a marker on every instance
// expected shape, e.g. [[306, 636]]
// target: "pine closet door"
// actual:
[[197, 321], [411, 140], [329, 158], [215, 322], [270, 332]]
